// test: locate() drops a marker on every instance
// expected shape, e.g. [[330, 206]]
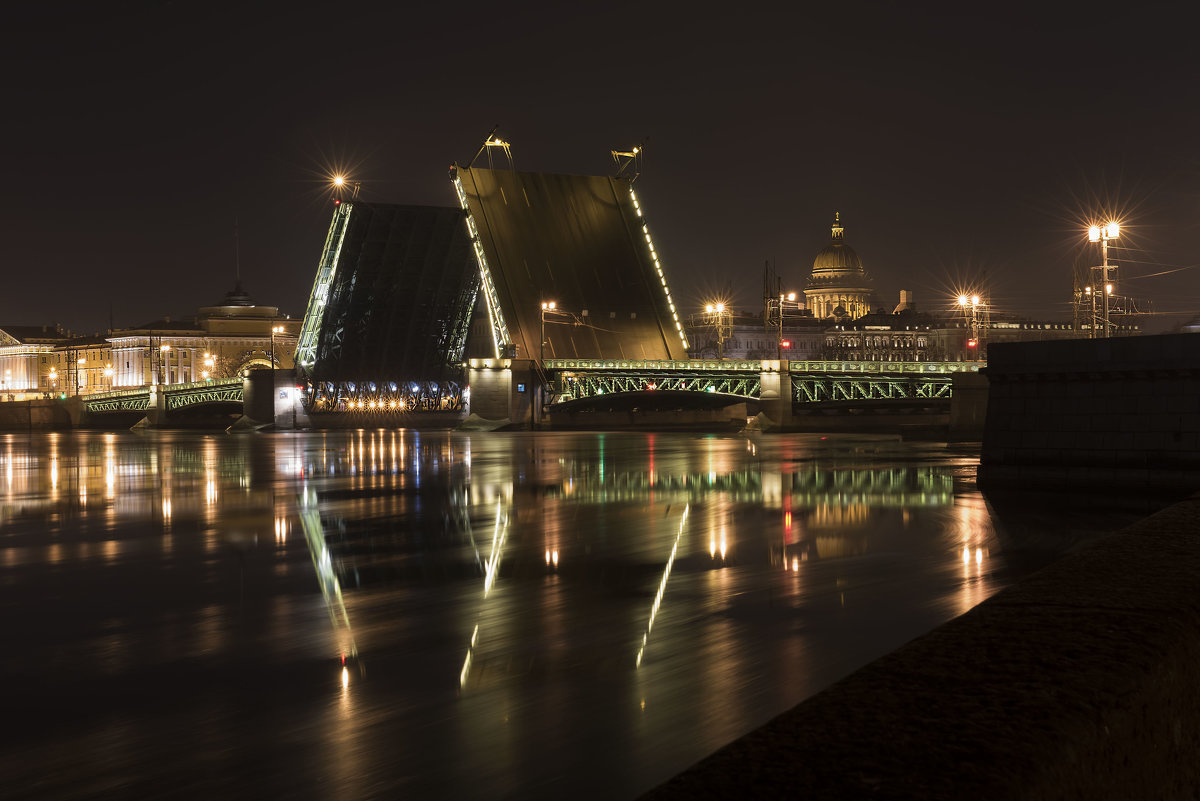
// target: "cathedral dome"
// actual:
[[837, 257], [838, 286]]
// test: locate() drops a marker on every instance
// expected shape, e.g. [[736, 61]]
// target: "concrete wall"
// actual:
[[39, 415], [1079, 682], [503, 389], [968, 407], [1105, 413]]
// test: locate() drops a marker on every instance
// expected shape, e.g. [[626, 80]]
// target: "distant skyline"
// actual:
[[962, 147]]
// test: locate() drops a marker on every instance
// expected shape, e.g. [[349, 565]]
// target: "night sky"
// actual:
[[965, 145]]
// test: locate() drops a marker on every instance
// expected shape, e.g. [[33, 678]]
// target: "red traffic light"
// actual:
[[971, 343], [337, 201], [787, 343]]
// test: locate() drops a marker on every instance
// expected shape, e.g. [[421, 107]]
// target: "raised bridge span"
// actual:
[[563, 274]]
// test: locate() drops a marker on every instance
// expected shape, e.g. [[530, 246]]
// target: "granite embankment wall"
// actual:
[[1098, 413], [1079, 682]]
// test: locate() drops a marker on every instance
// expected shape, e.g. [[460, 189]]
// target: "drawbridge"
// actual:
[[390, 309], [560, 267]]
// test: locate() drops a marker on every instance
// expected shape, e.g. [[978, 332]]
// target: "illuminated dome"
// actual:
[[838, 286]]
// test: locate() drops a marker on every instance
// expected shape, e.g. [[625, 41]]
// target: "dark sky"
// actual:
[[962, 143]]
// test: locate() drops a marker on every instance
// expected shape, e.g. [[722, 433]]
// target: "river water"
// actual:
[[391, 613]]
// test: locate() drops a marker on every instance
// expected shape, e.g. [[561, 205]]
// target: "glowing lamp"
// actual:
[[974, 300], [785, 344], [1094, 233], [1112, 230]]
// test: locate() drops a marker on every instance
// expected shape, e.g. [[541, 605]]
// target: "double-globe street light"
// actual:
[[720, 317], [1102, 234], [972, 307]]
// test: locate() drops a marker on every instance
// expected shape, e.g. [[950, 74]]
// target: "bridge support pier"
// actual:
[[270, 397], [775, 392], [504, 390]]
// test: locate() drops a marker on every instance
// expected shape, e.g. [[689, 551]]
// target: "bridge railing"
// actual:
[[760, 365]]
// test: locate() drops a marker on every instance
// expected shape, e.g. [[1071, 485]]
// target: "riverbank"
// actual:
[[1076, 682]]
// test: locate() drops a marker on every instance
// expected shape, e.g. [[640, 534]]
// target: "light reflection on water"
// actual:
[[553, 613]]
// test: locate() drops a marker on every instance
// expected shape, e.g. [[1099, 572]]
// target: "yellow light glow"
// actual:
[[962, 300], [708, 308], [974, 300], [791, 296], [1112, 231], [720, 307], [339, 180], [1094, 233], [345, 678]]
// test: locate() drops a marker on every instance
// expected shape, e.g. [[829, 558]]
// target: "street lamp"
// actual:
[[781, 303], [54, 379], [972, 307], [547, 306], [719, 316], [275, 329], [209, 361], [162, 367], [1102, 234]]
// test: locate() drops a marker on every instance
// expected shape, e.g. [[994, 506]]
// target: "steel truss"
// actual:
[[572, 386], [820, 388], [204, 393], [391, 397], [133, 402]]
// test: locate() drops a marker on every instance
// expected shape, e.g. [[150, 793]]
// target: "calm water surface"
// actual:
[[396, 614]]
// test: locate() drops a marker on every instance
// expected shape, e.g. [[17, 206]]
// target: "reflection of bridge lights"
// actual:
[[662, 587]]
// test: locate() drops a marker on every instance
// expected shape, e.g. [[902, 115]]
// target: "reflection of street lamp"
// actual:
[[547, 306], [1102, 234], [719, 317]]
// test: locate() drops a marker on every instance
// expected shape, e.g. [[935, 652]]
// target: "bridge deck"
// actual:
[[580, 241]]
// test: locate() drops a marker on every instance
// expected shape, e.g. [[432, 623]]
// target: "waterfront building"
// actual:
[[220, 341], [25, 352], [910, 335], [838, 288]]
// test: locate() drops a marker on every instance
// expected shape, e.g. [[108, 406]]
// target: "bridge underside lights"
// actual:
[[388, 321]]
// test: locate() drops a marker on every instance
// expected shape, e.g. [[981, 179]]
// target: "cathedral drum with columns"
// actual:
[[839, 286]]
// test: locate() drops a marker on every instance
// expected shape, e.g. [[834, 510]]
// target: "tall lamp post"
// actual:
[[781, 303], [547, 306], [1103, 234], [275, 329], [718, 316], [162, 363], [971, 307]]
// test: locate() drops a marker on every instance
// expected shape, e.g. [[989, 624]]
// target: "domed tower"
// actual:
[[839, 286]]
